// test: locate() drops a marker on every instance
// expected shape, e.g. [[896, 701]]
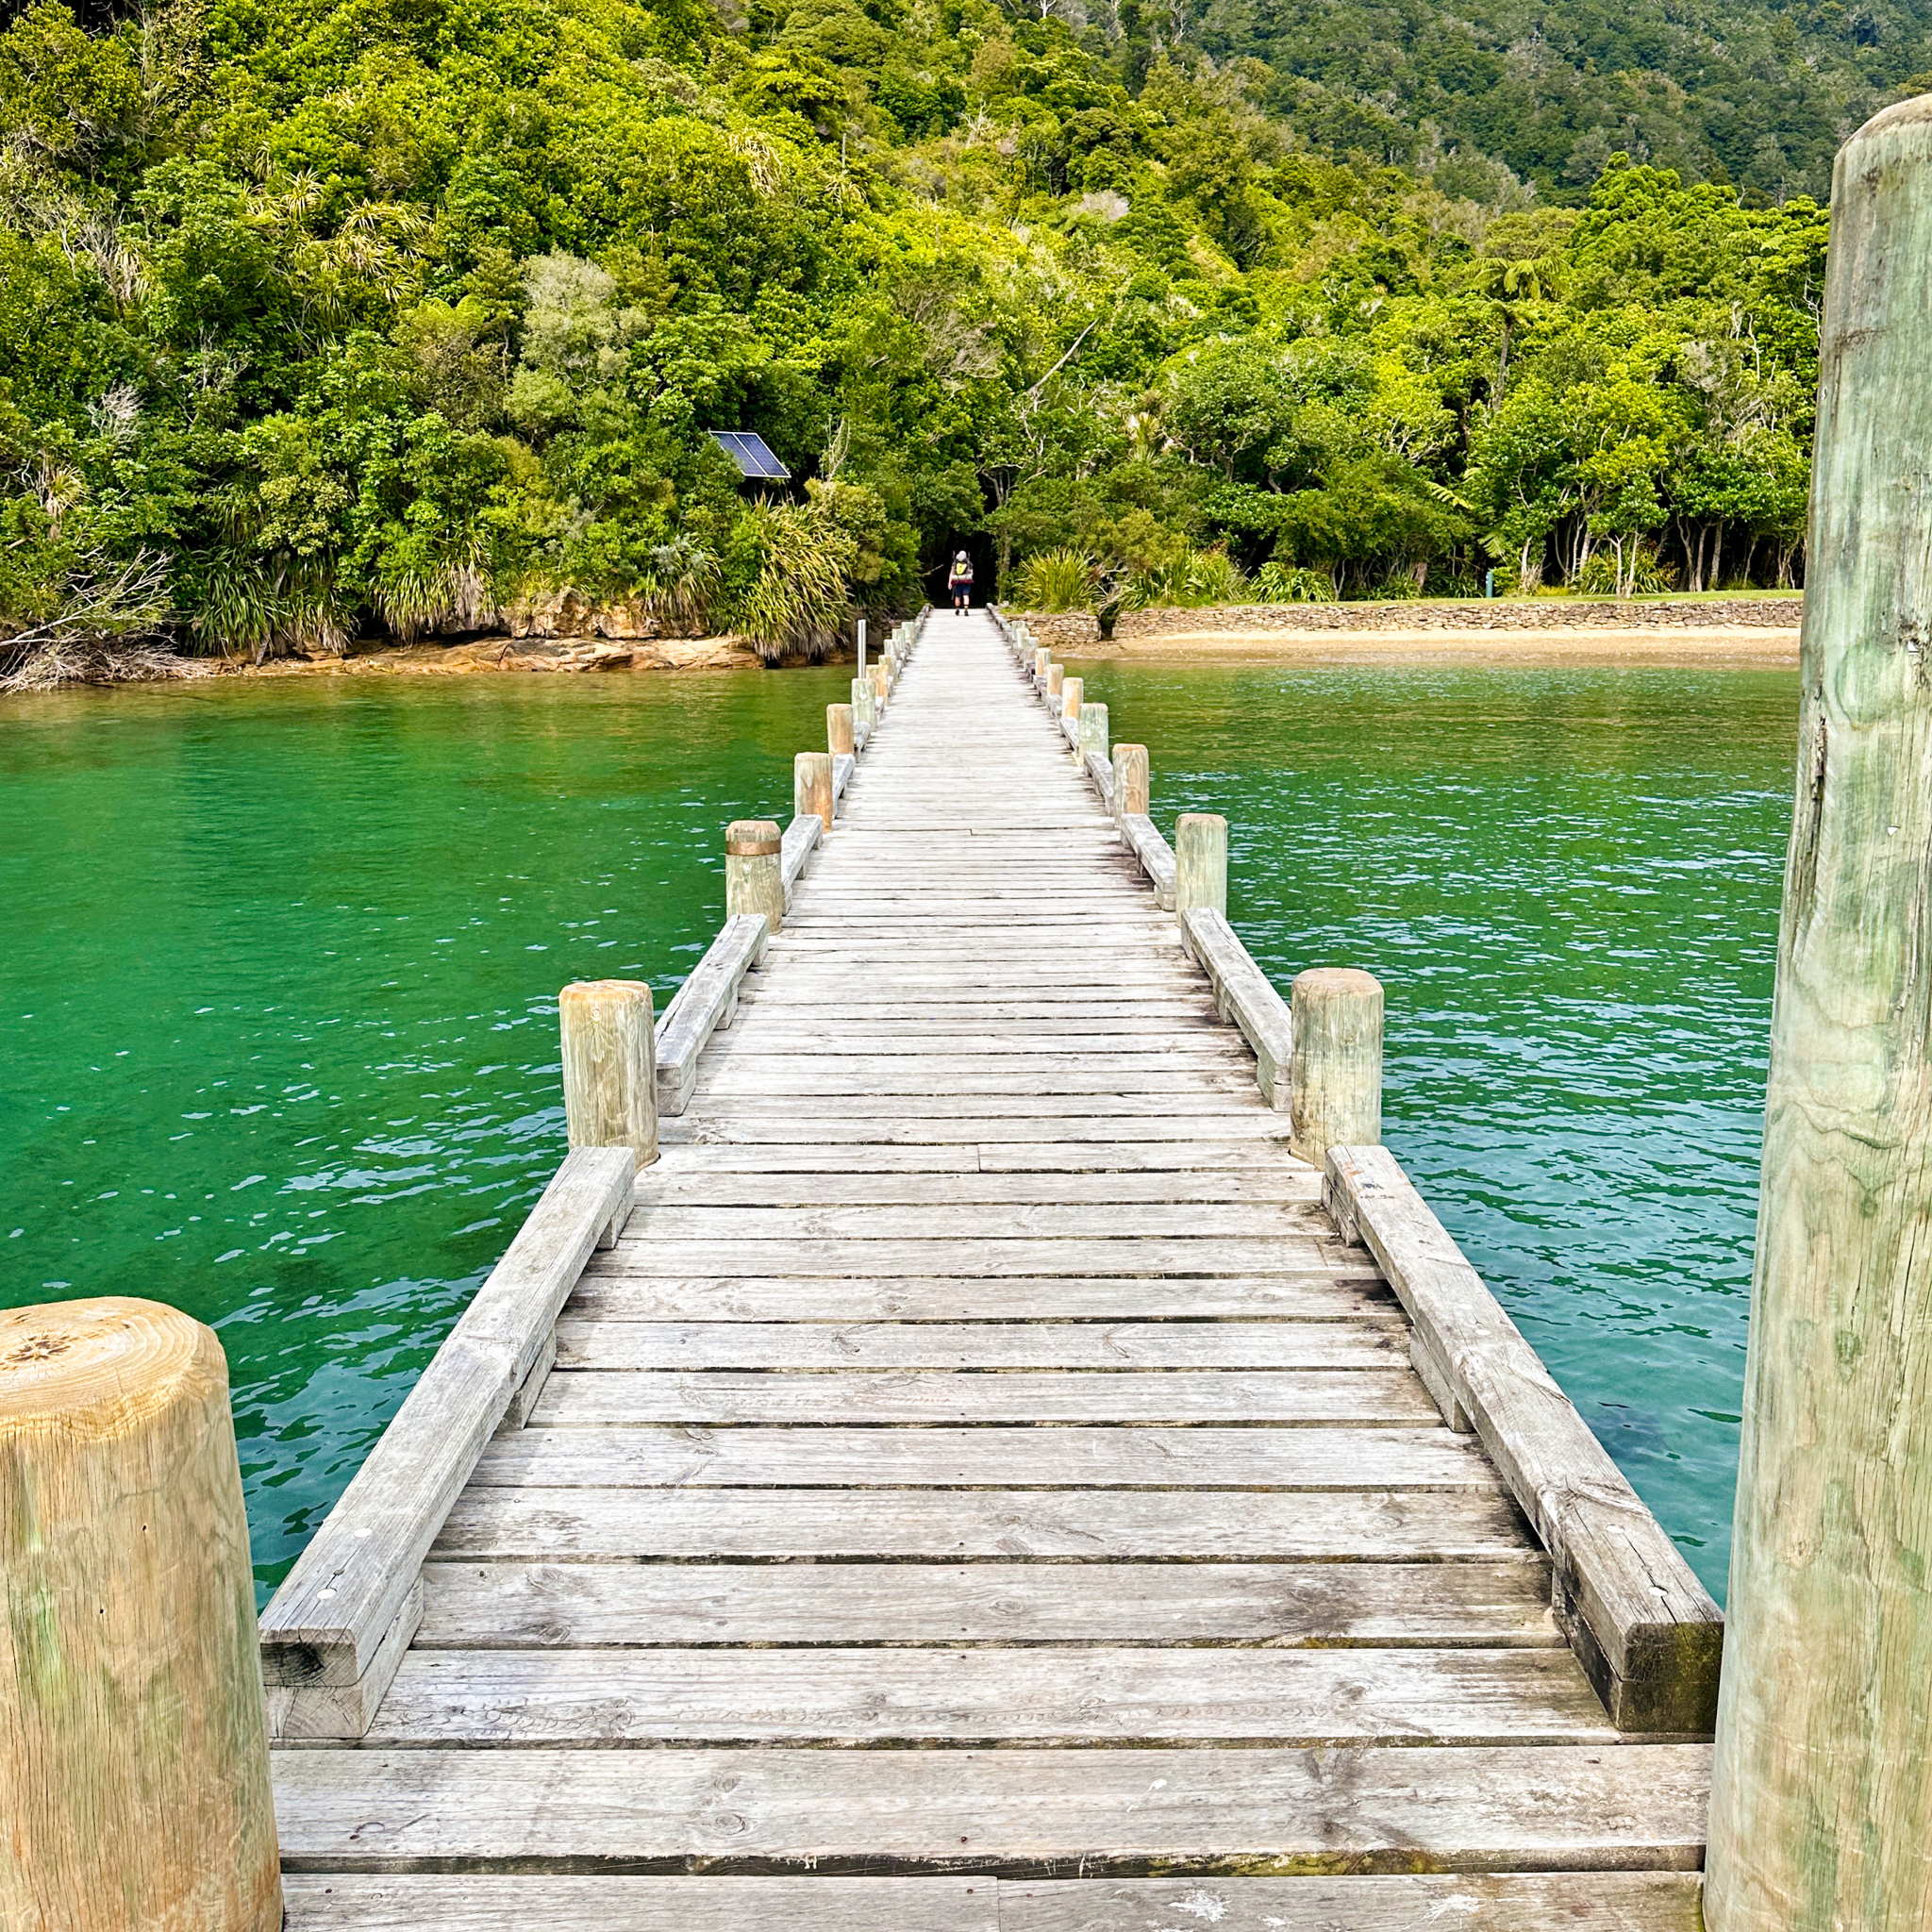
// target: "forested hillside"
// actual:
[[331, 317]]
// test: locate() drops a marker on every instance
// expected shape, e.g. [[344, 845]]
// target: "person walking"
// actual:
[[959, 583]]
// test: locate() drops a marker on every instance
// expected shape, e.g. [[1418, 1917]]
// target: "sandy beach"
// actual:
[[1740, 645]]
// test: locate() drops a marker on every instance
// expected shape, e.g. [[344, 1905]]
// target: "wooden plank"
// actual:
[[1247, 996], [507, 1902], [1009, 1812], [701, 1004], [1301, 1234], [1319, 1294], [687, 1176], [838, 1076], [324, 1626], [990, 1456], [1233, 1107], [549, 1606], [1185, 1160], [1576, 1901], [800, 839], [1070, 1255], [1644, 1626], [1064, 1345], [1142, 838], [1046, 1693], [723, 1398]]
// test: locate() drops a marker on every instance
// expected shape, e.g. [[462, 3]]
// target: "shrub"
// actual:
[[1644, 577], [1056, 581], [1287, 583], [1194, 578]]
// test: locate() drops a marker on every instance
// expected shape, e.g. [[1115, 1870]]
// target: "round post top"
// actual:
[[101, 1368]]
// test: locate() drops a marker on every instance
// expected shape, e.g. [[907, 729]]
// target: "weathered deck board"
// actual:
[[980, 1369], [1015, 1812], [551, 1606]]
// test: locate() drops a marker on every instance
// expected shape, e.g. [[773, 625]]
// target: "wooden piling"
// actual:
[[755, 870], [839, 739], [1130, 780], [1334, 1063], [1821, 1805], [1055, 675], [609, 1066], [134, 1778], [1200, 861], [881, 688], [1093, 730], [1042, 658], [812, 786], [1071, 690]]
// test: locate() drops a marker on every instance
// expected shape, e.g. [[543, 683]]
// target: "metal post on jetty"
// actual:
[[1821, 1803], [1335, 1064], [135, 1778], [609, 1066]]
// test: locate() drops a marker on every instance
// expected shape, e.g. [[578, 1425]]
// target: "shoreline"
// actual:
[[1733, 644]]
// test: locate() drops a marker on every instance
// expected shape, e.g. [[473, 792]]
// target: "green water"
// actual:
[[279, 998], [1567, 881], [280, 985]]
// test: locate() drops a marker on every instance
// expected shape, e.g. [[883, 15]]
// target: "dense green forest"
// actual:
[[329, 318]]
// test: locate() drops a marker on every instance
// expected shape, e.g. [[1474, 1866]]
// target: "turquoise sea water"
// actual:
[[277, 1007], [277, 1024], [1568, 882]]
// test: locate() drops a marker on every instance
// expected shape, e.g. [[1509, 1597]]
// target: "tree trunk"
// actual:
[[1821, 1806]]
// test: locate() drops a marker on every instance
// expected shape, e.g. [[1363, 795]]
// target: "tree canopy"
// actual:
[[325, 316]]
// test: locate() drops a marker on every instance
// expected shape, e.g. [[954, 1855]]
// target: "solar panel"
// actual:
[[752, 456]]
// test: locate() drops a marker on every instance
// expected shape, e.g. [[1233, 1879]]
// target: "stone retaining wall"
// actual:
[[1066, 628]]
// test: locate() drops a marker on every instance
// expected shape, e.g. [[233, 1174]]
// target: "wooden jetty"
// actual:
[[980, 1475]]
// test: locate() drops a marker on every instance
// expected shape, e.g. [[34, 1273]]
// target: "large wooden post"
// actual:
[[1200, 862], [1335, 1064], [755, 870], [1130, 780], [812, 786], [1093, 730], [610, 1065], [133, 1746], [839, 730], [1056, 677], [1070, 691], [1821, 1809]]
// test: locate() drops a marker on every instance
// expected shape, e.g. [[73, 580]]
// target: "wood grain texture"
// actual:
[[609, 1066], [755, 872], [574, 1524], [133, 1751], [1645, 1624], [1335, 1076], [501, 1902], [1012, 1812], [1090, 1346], [1823, 1799], [1200, 863], [991, 1457], [703, 1004], [874, 1696], [325, 1622], [554, 1606], [1247, 996]]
